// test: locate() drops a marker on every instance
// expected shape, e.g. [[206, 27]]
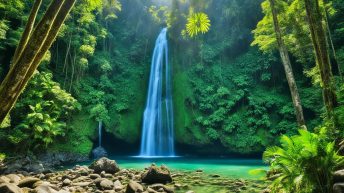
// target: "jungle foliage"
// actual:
[[226, 92], [304, 163]]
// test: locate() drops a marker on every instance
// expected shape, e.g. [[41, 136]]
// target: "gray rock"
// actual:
[[134, 187], [106, 184], [338, 176], [9, 188], [155, 175], [106, 165], [338, 188], [28, 182]]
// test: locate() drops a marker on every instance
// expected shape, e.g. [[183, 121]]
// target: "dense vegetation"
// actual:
[[229, 91], [244, 73]]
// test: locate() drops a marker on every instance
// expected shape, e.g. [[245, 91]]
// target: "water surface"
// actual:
[[233, 168]]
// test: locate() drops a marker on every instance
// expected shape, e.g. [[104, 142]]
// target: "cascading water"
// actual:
[[157, 130], [100, 133], [99, 151]]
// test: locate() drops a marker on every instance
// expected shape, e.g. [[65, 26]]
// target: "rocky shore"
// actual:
[[105, 176]]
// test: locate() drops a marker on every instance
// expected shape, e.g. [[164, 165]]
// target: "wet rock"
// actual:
[[155, 174], [106, 184], [106, 165], [36, 167], [99, 152], [54, 159], [9, 188], [338, 176], [338, 188], [28, 182], [134, 187]]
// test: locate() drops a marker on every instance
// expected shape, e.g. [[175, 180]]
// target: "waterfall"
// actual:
[[157, 129], [100, 133], [99, 151]]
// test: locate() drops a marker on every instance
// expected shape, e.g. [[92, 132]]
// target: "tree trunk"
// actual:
[[60, 18], [73, 71], [332, 45], [288, 69], [67, 52], [321, 55], [27, 31], [37, 46], [331, 42]]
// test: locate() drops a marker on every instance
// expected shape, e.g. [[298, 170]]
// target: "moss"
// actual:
[[126, 123], [185, 131], [79, 138]]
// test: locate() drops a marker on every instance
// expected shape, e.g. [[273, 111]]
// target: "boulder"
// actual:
[[9, 188], [134, 187], [28, 182], [99, 152], [338, 188], [338, 176], [106, 165], [154, 175]]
